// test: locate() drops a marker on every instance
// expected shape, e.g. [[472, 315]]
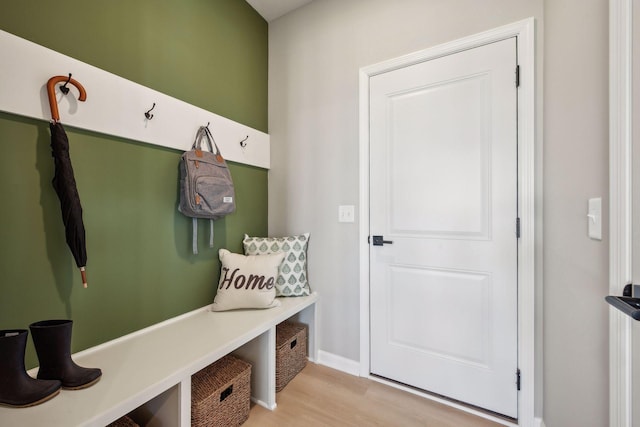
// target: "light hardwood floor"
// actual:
[[321, 396]]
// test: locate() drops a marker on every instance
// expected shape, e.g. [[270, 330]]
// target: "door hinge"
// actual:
[[517, 76], [517, 228], [518, 379]]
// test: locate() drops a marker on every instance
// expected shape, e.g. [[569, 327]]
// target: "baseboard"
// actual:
[[339, 363], [264, 404], [538, 422]]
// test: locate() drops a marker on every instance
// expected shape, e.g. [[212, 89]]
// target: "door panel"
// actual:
[[414, 305], [444, 190], [452, 169]]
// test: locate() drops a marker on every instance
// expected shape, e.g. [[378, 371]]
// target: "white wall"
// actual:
[[575, 169], [315, 54]]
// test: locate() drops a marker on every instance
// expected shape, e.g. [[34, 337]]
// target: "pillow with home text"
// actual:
[[247, 281], [292, 278]]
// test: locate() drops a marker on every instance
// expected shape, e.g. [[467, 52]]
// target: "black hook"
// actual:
[[243, 143], [208, 123], [148, 115], [64, 89]]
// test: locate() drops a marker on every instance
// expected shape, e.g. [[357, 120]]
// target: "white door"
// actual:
[[443, 190]]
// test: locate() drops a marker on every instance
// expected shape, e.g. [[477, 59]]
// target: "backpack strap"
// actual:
[[194, 242], [211, 234], [203, 132], [211, 140], [194, 223]]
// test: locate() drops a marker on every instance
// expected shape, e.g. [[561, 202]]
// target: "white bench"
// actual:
[[150, 370]]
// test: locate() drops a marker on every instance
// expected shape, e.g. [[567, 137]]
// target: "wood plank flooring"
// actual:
[[321, 396]]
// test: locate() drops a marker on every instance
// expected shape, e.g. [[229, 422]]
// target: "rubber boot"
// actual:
[[17, 388], [52, 339]]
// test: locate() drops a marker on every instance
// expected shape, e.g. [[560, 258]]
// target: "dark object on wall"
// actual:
[[148, 114], [64, 181], [52, 339], [243, 143], [629, 302], [629, 306], [17, 388]]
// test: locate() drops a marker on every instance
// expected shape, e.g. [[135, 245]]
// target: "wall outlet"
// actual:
[[346, 213]]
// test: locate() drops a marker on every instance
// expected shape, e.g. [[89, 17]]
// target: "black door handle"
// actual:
[[379, 241]]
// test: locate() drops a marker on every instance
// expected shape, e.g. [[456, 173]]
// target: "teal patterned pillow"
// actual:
[[292, 276]]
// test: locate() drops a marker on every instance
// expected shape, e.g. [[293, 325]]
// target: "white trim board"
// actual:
[[524, 31], [115, 106], [339, 363], [620, 204]]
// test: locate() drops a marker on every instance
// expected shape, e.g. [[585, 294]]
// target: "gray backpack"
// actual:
[[206, 188]]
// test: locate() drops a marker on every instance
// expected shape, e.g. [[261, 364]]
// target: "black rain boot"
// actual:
[[17, 388], [52, 339]]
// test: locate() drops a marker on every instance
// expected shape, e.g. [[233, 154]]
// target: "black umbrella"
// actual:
[[63, 180]]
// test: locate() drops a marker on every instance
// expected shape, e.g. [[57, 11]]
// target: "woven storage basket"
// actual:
[[291, 351], [123, 422], [221, 393]]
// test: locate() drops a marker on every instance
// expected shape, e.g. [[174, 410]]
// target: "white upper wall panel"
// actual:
[[114, 105]]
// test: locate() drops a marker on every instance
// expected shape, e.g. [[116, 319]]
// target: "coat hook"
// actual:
[[243, 143], [64, 89], [51, 93], [148, 114]]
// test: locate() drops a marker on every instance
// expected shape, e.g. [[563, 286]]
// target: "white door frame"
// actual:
[[529, 302], [620, 197]]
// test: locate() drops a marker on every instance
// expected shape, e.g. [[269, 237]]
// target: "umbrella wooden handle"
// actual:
[[51, 92], [83, 273]]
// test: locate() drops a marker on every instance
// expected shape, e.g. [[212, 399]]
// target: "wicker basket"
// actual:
[[221, 393], [123, 422], [291, 351]]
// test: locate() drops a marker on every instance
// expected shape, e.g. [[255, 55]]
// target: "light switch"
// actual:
[[346, 213], [594, 218]]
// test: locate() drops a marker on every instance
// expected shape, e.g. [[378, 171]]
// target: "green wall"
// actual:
[[210, 53]]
